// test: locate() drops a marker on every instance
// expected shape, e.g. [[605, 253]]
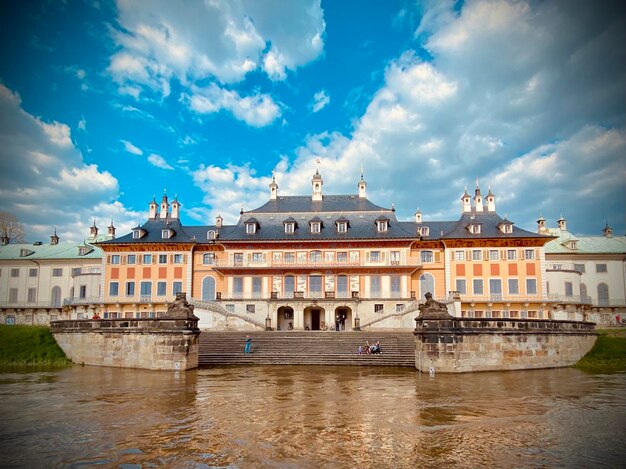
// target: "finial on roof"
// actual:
[[361, 172], [241, 211], [393, 207], [477, 182]]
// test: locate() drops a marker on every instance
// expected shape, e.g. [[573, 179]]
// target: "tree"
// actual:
[[11, 228]]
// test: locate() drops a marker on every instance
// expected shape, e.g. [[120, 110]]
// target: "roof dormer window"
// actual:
[[84, 250], [167, 233], [342, 227], [211, 235], [26, 252], [290, 228], [316, 227], [474, 228], [424, 231], [251, 226], [506, 226], [138, 232], [382, 225]]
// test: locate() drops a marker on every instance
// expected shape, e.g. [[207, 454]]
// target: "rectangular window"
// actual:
[[289, 228], [315, 227], [579, 268], [230, 308], [58, 272], [177, 287], [531, 286], [130, 288], [290, 258], [161, 288], [427, 256], [238, 287], [511, 254], [461, 286], [131, 259], [146, 288], [342, 286], [12, 295], [250, 309], [257, 257], [395, 286], [378, 308], [82, 291], [342, 227], [529, 254], [459, 255], [494, 255], [374, 256], [601, 268], [32, 295], [477, 255], [115, 259], [113, 289], [342, 257], [208, 258], [495, 288], [147, 259], [32, 272], [257, 283], [16, 272], [178, 258], [478, 286], [162, 258], [569, 289], [290, 286], [375, 286], [394, 257], [513, 286], [250, 228], [315, 285], [399, 307], [238, 258]]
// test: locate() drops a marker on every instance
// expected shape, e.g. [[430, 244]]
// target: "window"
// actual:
[[177, 287], [290, 286], [342, 257], [250, 228], [136, 234], [342, 286], [211, 234], [32, 272], [113, 289], [579, 268], [425, 231], [569, 289], [394, 257], [315, 256], [146, 288], [316, 227], [461, 286], [511, 254], [396, 290], [427, 256], [381, 225], [161, 288], [16, 272], [529, 254], [315, 285], [250, 309], [427, 284], [238, 258], [477, 285], [58, 272], [162, 258], [603, 294], [531, 286], [238, 287], [475, 229], [32, 295], [130, 288], [178, 258], [494, 255], [230, 308], [115, 259], [583, 290], [374, 256], [459, 255], [513, 286], [257, 258], [399, 307], [257, 285], [12, 295], [378, 308], [342, 227], [208, 258], [208, 289], [495, 288], [166, 234], [82, 292], [147, 259], [131, 259], [55, 295], [290, 228], [477, 255], [375, 286], [601, 268]]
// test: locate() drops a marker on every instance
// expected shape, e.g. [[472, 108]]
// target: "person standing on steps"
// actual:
[[248, 344]]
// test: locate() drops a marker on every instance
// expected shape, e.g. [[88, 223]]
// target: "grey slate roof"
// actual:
[[329, 203], [153, 228], [489, 222]]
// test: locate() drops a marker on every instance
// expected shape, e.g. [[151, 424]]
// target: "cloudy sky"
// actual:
[[104, 105]]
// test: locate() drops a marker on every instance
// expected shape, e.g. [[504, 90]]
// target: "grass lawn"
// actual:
[[608, 355], [29, 345]]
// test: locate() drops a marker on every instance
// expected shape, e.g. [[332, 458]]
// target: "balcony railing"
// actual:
[[322, 263], [29, 304], [551, 298], [81, 301]]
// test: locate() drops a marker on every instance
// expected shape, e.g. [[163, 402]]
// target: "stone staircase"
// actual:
[[305, 348]]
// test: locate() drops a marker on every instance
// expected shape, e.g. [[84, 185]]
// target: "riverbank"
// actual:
[[29, 346], [608, 355]]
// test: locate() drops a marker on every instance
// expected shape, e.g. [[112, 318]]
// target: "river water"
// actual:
[[311, 417]]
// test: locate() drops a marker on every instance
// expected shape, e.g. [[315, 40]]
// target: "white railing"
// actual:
[[312, 264]]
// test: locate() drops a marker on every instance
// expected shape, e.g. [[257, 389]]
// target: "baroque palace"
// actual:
[[321, 262]]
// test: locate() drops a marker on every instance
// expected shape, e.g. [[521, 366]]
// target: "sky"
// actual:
[[105, 105]]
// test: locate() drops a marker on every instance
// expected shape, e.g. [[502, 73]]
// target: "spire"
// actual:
[[111, 230], [164, 206], [154, 207], [478, 198], [219, 221], [93, 231]]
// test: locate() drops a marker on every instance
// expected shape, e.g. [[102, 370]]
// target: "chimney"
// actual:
[[175, 208], [154, 207]]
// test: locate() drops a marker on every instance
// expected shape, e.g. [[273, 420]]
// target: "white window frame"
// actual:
[[461, 286], [382, 225], [250, 228], [290, 228], [477, 254], [459, 255], [511, 254], [342, 227], [316, 227]]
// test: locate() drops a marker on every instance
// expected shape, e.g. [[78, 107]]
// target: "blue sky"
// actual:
[[104, 105]]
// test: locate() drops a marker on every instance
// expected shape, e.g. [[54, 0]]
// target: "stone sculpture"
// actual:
[[433, 309], [180, 308]]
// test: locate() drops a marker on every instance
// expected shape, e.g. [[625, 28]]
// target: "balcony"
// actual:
[[76, 272], [90, 300], [551, 298], [564, 266], [29, 304], [323, 295], [311, 264]]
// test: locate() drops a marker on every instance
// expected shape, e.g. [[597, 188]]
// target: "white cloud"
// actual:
[[159, 161], [320, 101], [82, 124], [130, 148], [44, 181]]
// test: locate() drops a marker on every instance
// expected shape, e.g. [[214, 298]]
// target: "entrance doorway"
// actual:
[[313, 317], [343, 319], [284, 318]]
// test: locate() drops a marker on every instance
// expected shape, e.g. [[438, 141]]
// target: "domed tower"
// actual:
[[273, 188], [478, 199], [491, 201], [466, 202], [362, 185], [317, 183], [175, 208], [154, 207]]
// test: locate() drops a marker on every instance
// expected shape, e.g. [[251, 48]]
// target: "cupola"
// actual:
[[491, 201], [478, 199], [317, 183], [54, 239], [466, 202], [607, 231], [175, 208], [418, 216], [362, 185], [561, 223], [541, 225], [154, 207], [165, 206], [273, 188]]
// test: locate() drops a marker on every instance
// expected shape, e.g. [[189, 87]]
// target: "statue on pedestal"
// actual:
[[180, 308], [433, 309]]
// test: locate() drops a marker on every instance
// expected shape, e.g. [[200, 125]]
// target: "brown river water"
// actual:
[[311, 417]]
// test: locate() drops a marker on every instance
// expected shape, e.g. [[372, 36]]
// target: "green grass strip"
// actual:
[[608, 355], [29, 346]]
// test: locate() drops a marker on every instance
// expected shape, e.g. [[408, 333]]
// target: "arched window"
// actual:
[[603, 294], [427, 284], [208, 289], [208, 258], [55, 296]]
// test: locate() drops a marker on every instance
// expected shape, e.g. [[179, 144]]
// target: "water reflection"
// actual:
[[311, 417]]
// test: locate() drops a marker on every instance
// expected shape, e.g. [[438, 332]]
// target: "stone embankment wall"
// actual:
[[153, 344], [458, 346]]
